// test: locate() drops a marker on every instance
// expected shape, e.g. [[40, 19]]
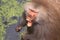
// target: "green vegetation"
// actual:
[[8, 8]]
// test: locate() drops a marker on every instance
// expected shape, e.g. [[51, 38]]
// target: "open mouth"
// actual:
[[30, 17], [29, 24]]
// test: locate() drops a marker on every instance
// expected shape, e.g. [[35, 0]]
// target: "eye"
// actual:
[[33, 11]]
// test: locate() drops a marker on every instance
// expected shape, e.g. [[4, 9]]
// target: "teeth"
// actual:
[[27, 19], [29, 24]]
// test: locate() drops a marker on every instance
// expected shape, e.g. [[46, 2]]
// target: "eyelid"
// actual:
[[33, 11]]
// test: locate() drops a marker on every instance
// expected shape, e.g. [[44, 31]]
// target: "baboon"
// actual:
[[43, 21]]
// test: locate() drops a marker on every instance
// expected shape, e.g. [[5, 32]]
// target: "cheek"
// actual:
[[42, 15]]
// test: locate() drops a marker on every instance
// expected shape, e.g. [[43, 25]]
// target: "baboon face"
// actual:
[[43, 18], [47, 19]]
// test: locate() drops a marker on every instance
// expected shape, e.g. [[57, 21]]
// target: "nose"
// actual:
[[32, 13]]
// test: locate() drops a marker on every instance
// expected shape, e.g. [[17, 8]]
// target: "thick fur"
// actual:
[[47, 25], [47, 22]]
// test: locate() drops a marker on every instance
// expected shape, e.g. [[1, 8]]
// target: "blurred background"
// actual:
[[10, 12]]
